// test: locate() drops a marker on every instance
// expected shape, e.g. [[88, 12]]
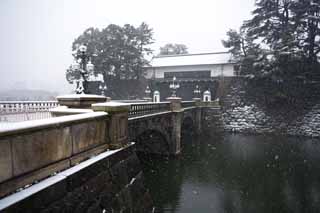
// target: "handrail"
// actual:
[[10, 102], [186, 104], [15, 107], [140, 109], [14, 111]]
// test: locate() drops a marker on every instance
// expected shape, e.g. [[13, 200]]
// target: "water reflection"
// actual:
[[238, 173]]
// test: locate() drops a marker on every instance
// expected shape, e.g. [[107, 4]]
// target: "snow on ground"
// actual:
[[308, 125]]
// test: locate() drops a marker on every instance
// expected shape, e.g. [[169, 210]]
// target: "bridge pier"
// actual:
[[177, 115], [198, 115]]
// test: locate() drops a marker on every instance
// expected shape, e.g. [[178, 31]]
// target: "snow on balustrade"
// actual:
[[16, 111], [7, 128]]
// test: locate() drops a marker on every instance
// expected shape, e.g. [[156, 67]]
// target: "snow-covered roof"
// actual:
[[192, 59]]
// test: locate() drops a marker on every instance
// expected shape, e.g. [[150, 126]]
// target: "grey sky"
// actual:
[[36, 35]]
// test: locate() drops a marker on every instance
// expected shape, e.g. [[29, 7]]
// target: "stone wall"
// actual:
[[212, 122], [110, 182], [243, 115]]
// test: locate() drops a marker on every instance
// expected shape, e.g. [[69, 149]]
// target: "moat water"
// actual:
[[238, 173]]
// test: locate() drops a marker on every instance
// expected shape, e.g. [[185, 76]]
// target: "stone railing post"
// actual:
[[81, 101], [76, 104], [175, 107], [198, 118], [118, 126]]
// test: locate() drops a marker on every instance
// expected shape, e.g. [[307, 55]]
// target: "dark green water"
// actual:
[[238, 173]]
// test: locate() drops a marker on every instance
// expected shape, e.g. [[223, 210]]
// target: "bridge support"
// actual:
[[198, 116], [175, 107], [118, 129]]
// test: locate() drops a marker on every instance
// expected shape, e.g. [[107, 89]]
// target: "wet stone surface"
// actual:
[[238, 173]]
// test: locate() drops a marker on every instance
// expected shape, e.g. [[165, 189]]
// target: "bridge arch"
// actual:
[[188, 120], [188, 124], [153, 133], [153, 141]]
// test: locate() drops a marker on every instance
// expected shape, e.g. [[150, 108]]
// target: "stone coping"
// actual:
[[131, 101], [81, 97], [174, 99], [196, 99], [111, 106], [149, 115], [189, 108], [150, 103], [27, 126], [25, 193], [66, 110], [188, 101]]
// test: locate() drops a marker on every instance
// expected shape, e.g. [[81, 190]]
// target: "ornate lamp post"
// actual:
[[196, 92], [174, 86], [147, 92], [103, 87], [84, 66]]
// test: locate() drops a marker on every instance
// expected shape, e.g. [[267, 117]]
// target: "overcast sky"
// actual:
[[36, 35]]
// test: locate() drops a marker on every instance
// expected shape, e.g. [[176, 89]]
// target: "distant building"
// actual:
[[191, 67], [203, 69]]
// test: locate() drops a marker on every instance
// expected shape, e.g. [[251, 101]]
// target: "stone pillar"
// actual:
[[81, 101], [198, 118], [76, 104], [118, 125], [175, 107]]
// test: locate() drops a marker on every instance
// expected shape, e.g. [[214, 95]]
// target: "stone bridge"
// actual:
[[154, 127], [160, 133], [88, 135]]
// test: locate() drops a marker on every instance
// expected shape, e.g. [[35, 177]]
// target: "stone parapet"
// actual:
[[30, 151]]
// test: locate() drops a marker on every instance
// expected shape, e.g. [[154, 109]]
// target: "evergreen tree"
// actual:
[[118, 52], [173, 49], [279, 45]]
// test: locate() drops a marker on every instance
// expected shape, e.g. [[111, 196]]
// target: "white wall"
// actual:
[[216, 70]]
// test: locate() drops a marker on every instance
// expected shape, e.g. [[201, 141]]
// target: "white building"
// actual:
[[202, 66]]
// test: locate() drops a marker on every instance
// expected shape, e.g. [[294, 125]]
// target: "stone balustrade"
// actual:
[[12, 107], [186, 104], [15, 111], [140, 109]]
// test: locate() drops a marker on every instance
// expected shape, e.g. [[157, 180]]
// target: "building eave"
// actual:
[[190, 65]]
